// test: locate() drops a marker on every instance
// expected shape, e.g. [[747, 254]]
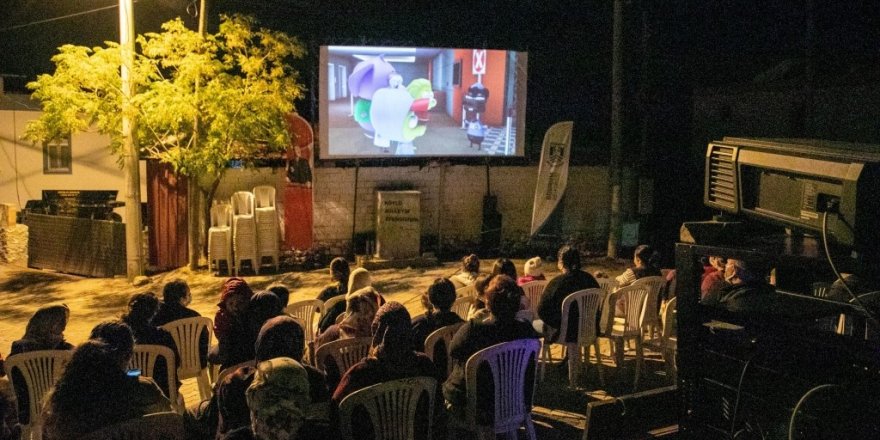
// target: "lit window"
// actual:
[[56, 157]]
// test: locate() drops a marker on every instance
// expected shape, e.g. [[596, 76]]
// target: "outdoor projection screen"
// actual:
[[380, 102]]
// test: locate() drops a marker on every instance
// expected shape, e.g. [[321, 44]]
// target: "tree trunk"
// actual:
[[193, 229], [616, 129]]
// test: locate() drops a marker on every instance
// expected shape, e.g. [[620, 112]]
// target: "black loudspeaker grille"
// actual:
[[721, 178]]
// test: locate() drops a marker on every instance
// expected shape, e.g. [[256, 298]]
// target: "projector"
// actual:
[[796, 183]]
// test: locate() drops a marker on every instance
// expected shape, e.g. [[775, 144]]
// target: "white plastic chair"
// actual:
[[244, 230], [669, 340], [144, 358], [392, 408], [444, 334], [187, 333], [164, 426], [821, 290], [587, 303], [609, 285], [652, 307], [40, 369], [533, 291], [344, 352], [508, 363], [628, 327], [220, 237], [462, 305], [267, 224], [330, 303], [309, 312], [469, 291]]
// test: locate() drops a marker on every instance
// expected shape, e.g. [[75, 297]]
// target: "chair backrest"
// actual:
[[144, 358], [652, 307], [444, 334], [264, 196], [40, 369], [461, 306], [533, 291], [345, 352], [229, 370], [221, 215], [242, 203], [158, 426], [469, 291], [308, 311], [392, 408], [821, 290], [508, 363], [187, 333], [330, 303], [609, 285], [587, 302], [635, 298], [669, 317]]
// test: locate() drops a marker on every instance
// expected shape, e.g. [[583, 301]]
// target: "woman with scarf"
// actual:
[[44, 331], [141, 309], [234, 335], [391, 357]]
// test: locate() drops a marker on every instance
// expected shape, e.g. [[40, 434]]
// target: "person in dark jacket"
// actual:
[[141, 308], [438, 303], [745, 291], [234, 335], [571, 280], [176, 297], [339, 272]]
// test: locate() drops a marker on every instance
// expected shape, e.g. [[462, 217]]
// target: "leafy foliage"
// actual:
[[237, 83]]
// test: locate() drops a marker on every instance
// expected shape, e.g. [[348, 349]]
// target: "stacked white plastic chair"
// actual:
[[220, 237], [244, 230], [267, 224]]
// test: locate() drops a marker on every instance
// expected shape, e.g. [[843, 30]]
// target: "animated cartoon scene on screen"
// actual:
[[408, 101]]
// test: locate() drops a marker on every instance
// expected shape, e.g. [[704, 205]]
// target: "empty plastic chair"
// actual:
[[220, 237], [627, 327], [392, 407], [266, 216], [244, 230]]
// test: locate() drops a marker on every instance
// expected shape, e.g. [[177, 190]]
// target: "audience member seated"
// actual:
[[503, 266], [262, 307], [339, 272], [713, 275], [502, 297], [44, 331], [176, 296], [94, 391], [283, 294], [746, 290], [356, 322], [277, 400], [141, 308], [571, 280], [532, 271], [234, 336], [478, 311], [470, 269], [279, 337], [647, 264], [391, 357], [437, 301], [9, 427]]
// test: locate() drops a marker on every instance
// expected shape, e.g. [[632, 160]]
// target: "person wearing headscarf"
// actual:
[[278, 400], [281, 336], [391, 357], [532, 271], [234, 335], [44, 331], [340, 273], [356, 322], [141, 309], [470, 269]]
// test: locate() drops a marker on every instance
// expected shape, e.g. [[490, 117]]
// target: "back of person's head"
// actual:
[[481, 284], [175, 291], [359, 279], [647, 255], [339, 270], [504, 266], [47, 324], [392, 331], [278, 399], [441, 294], [280, 336], [118, 337], [141, 309], [470, 263], [282, 292], [533, 267], [503, 297], [569, 257], [263, 307]]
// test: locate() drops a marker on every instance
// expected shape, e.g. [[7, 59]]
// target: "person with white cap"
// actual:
[[532, 271]]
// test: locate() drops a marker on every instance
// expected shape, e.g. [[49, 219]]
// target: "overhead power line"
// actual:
[[63, 17]]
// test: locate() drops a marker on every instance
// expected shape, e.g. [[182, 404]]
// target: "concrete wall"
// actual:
[[21, 164], [451, 208]]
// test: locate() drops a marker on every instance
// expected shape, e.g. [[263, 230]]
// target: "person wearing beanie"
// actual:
[[532, 271]]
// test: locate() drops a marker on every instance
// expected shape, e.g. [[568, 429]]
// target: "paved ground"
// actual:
[[559, 411]]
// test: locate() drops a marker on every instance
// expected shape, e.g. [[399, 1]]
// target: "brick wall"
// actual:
[[455, 213]]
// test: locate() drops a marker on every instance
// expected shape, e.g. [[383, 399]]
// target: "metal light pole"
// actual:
[[195, 200], [134, 255]]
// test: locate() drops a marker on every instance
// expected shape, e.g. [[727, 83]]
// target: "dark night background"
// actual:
[[690, 44]]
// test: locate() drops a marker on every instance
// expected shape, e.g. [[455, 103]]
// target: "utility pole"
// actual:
[[194, 196], [134, 251], [616, 129]]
